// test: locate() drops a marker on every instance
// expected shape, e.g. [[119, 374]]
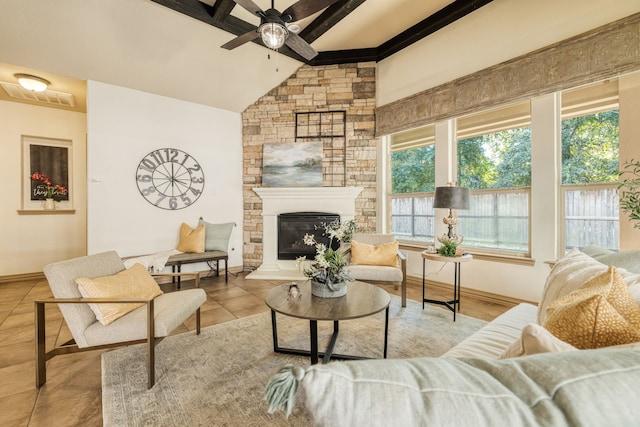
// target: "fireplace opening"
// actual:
[[291, 230]]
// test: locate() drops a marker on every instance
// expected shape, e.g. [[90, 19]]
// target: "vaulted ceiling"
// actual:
[[173, 48], [345, 32]]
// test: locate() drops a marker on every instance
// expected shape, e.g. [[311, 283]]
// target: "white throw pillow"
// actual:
[[535, 339]]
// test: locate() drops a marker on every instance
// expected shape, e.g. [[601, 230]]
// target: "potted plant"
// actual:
[[629, 191], [449, 245], [328, 272]]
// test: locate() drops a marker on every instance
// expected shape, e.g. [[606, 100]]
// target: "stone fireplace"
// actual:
[[275, 201]]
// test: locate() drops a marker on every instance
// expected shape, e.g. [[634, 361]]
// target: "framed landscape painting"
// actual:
[[292, 164]]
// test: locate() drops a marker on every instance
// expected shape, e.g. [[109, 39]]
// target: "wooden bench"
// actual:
[[176, 261]]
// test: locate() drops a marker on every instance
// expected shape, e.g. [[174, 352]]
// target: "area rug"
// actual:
[[218, 378]]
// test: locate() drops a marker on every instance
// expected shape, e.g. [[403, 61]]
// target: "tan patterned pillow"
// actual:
[[600, 313], [191, 240], [382, 254], [135, 282]]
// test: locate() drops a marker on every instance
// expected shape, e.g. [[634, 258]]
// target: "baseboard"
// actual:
[[22, 277], [478, 294]]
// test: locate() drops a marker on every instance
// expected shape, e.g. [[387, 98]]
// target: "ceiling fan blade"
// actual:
[[241, 39], [300, 46], [303, 8], [250, 6]]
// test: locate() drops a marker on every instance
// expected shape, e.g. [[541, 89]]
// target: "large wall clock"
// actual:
[[169, 178]]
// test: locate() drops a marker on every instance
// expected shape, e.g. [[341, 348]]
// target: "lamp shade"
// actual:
[[451, 198]]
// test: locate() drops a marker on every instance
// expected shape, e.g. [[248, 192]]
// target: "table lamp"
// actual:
[[451, 197]]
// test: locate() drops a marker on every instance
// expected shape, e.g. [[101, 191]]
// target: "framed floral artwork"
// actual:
[[46, 173]]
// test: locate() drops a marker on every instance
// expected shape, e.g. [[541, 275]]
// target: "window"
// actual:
[[494, 162], [590, 166], [413, 184]]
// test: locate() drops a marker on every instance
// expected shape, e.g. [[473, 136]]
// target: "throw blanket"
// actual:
[[155, 262]]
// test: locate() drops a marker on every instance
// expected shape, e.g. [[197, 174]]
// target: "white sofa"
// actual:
[[469, 386], [569, 273]]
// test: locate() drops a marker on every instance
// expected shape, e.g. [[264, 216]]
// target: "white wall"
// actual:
[[29, 242], [124, 125], [497, 32]]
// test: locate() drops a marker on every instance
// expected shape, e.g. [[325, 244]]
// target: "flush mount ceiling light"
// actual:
[[34, 83]]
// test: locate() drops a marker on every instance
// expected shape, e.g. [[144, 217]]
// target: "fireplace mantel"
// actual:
[[277, 200]]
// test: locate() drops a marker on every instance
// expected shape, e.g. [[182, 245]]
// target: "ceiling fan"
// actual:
[[273, 28]]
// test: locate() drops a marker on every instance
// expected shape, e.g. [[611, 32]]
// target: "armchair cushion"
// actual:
[[62, 281], [191, 239], [384, 254], [170, 310], [136, 282], [382, 273]]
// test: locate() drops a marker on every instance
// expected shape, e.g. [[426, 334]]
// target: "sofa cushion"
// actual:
[[191, 239], [535, 339], [492, 340], [545, 389], [216, 236], [135, 282], [629, 260], [600, 313], [574, 270], [384, 254]]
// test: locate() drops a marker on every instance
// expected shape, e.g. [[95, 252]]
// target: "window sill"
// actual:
[[48, 212], [483, 256]]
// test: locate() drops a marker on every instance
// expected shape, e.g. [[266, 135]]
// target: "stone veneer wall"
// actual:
[[348, 87]]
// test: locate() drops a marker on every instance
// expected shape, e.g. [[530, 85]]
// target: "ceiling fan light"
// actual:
[[273, 35], [34, 83]]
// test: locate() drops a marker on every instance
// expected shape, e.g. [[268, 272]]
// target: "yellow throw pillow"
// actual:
[[135, 282], [382, 254], [191, 240], [600, 313]]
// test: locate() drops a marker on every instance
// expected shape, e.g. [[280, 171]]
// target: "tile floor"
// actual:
[[72, 394]]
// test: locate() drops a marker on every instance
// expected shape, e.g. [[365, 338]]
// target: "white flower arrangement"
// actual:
[[329, 265]]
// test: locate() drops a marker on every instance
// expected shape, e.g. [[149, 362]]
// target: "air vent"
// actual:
[[47, 97]]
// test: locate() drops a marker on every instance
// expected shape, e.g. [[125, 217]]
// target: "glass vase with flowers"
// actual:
[[328, 270]]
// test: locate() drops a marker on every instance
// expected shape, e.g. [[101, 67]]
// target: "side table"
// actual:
[[453, 304]]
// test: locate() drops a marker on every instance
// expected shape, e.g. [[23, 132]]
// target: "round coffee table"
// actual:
[[361, 300]]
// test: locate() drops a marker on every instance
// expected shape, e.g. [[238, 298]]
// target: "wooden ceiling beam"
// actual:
[[193, 8], [219, 16], [222, 9], [430, 25], [334, 57]]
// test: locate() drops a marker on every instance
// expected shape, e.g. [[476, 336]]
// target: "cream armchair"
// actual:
[[156, 319], [381, 273]]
